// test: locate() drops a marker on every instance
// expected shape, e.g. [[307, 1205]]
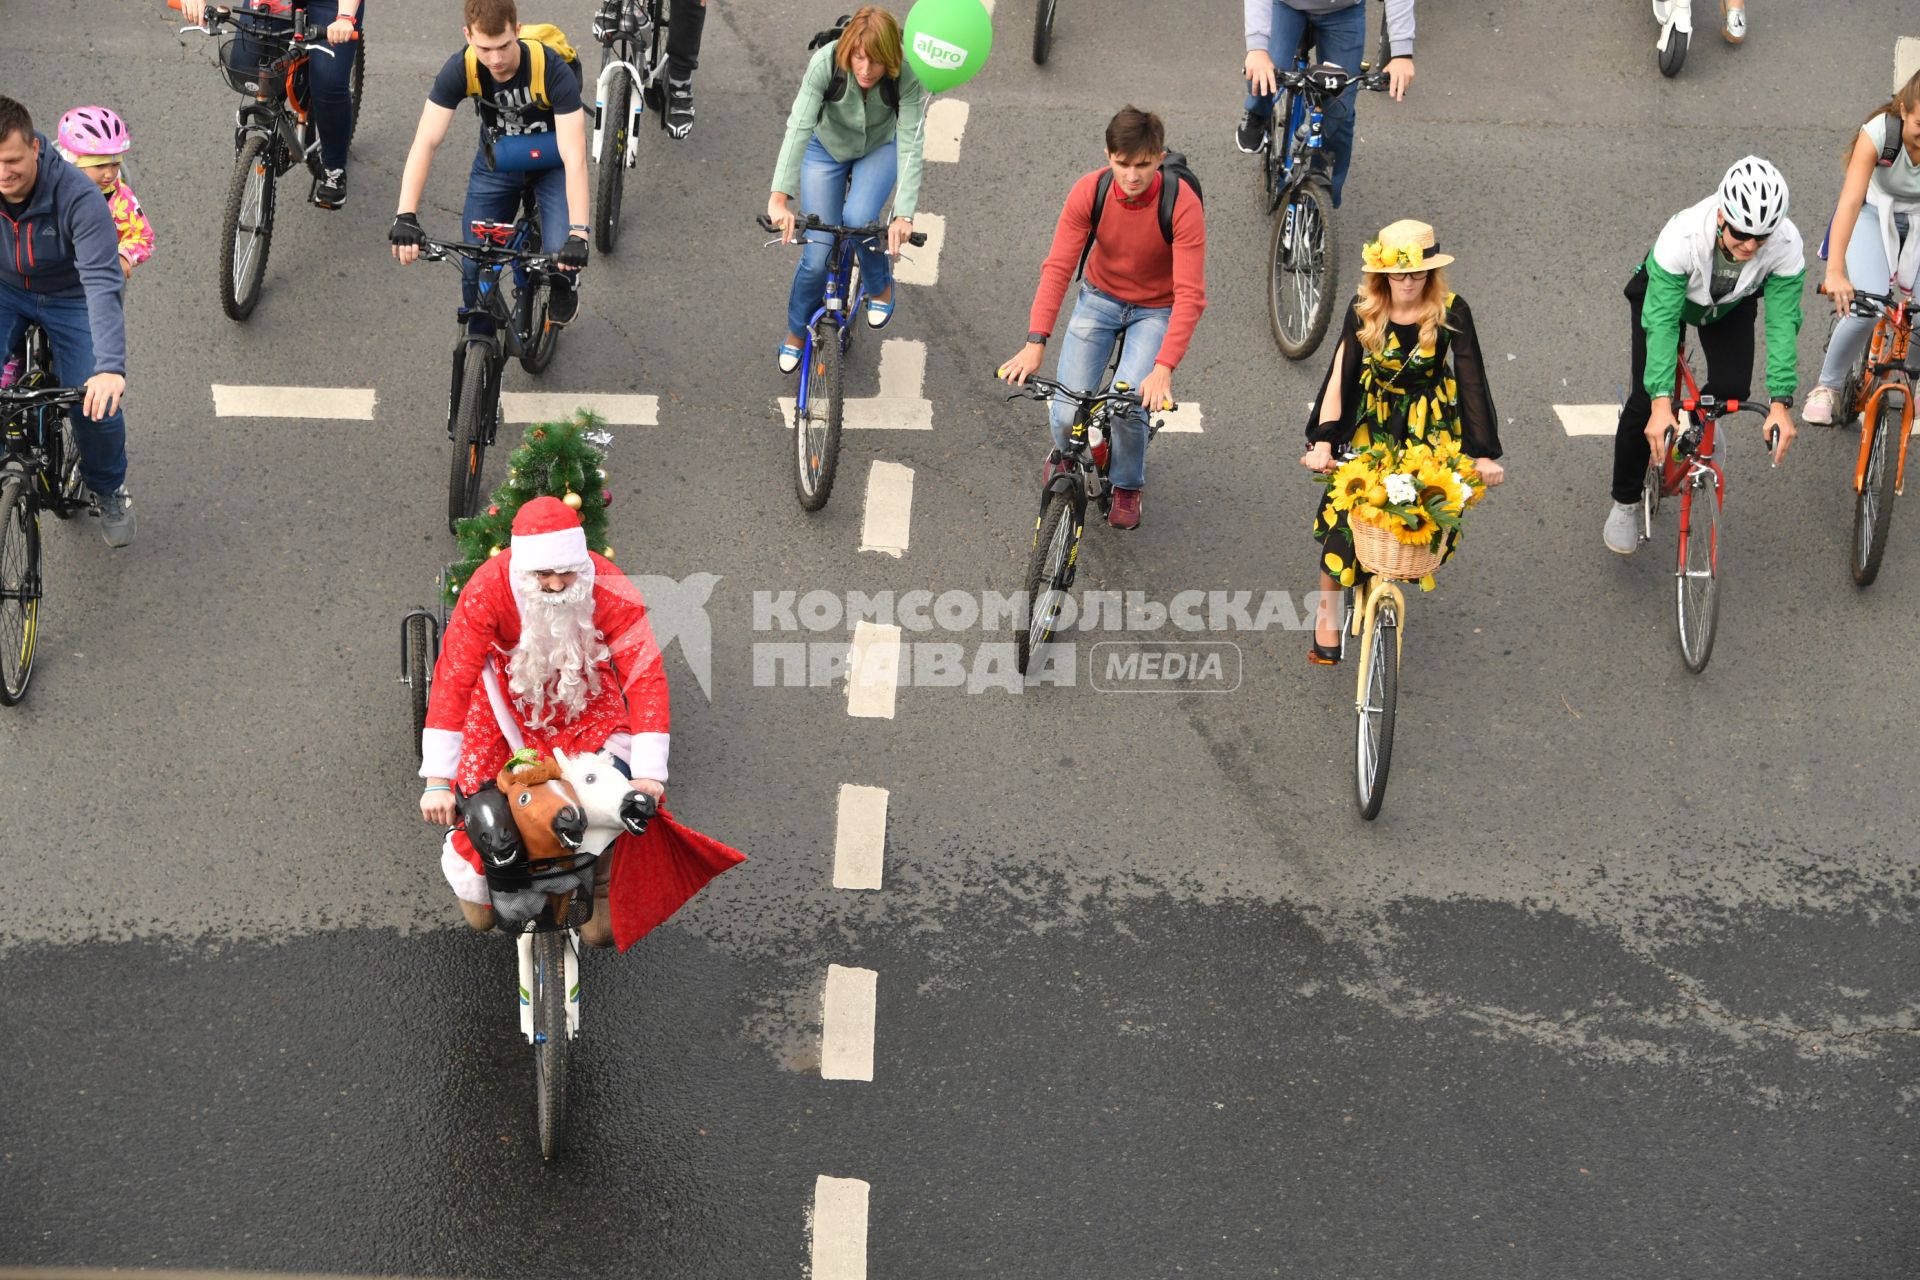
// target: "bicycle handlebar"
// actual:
[[296, 22], [811, 222], [1325, 80], [43, 397], [1868, 306], [483, 254], [1040, 388]]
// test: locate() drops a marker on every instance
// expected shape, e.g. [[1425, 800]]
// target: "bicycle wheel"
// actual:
[[1873, 509], [1697, 586], [1301, 274], [542, 335], [1673, 55], [1056, 541], [816, 430], [246, 232], [612, 178], [1043, 30], [550, 1037], [1374, 712], [19, 587], [471, 419], [418, 644]]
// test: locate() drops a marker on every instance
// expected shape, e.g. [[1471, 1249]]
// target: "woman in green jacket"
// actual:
[[854, 128]]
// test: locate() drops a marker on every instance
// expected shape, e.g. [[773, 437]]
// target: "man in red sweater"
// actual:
[[1139, 289]]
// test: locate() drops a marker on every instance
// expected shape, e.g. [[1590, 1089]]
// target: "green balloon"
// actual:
[[947, 42]]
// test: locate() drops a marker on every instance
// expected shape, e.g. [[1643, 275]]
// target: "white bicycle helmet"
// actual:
[[1753, 196]]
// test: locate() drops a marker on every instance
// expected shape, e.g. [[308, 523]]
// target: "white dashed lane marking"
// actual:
[[293, 402], [873, 669], [889, 511], [549, 406], [860, 837], [946, 122], [846, 1024], [839, 1229], [900, 406], [1588, 419]]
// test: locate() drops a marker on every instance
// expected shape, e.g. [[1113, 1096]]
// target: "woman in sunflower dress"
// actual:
[[1407, 367]]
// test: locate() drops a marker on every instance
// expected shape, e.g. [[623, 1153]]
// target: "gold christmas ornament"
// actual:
[[607, 552], [572, 499], [493, 552]]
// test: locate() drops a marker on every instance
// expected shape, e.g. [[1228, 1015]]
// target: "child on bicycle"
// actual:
[[1710, 268], [1145, 288], [92, 139], [854, 129], [1875, 221], [1274, 30]]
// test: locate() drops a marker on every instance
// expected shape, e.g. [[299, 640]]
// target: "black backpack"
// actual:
[[1890, 152], [837, 86], [1173, 169]]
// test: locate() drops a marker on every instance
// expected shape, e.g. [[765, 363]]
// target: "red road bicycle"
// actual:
[[1690, 472]]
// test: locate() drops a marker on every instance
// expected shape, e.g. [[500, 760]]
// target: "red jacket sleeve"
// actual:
[[1189, 277], [1069, 238]]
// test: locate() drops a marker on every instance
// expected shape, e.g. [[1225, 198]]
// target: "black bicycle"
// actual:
[[264, 57], [1302, 274], [1043, 30], [821, 400], [39, 471], [632, 34], [498, 328], [1074, 479]]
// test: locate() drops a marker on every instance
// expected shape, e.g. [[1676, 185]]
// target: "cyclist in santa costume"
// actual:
[[549, 647]]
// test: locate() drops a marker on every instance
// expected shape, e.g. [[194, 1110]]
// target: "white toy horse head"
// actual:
[[610, 804]]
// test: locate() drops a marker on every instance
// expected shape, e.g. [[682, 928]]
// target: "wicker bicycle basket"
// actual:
[[1385, 556]]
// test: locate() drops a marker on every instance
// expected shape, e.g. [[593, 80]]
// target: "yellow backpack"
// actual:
[[536, 38]]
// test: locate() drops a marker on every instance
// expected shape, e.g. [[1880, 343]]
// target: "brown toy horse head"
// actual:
[[550, 819]]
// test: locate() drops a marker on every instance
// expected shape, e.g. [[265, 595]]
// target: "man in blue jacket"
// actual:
[[60, 266]]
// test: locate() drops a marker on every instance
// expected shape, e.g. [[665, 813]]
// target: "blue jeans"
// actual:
[[1866, 269], [103, 444], [1342, 40], [495, 197], [1098, 321], [850, 193], [329, 79]]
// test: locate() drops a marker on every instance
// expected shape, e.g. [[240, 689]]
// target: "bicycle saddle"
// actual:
[[491, 828]]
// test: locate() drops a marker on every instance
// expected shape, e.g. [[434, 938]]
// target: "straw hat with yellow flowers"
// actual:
[[1400, 247]]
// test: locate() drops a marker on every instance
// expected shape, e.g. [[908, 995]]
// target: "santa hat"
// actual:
[[547, 535]]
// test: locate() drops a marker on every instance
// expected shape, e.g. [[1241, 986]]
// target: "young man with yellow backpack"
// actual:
[[525, 86]]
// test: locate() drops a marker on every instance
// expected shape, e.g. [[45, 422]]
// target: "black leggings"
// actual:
[[685, 21], [1727, 344]]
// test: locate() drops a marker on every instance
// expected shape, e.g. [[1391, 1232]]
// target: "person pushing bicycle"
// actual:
[[551, 641], [1274, 29], [533, 132], [1145, 255], [330, 80], [60, 267], [1711, 267]]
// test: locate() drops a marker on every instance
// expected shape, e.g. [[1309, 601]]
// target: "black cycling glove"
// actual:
[[573, 254], [406, 230]]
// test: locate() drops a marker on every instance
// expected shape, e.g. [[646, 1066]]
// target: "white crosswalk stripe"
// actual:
[[351, 403], [900, 406]]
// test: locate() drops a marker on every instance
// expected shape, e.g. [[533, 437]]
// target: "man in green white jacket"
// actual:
[[1711, 267]]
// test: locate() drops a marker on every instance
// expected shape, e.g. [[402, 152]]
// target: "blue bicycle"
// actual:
[[822, 396], [1301, 271]]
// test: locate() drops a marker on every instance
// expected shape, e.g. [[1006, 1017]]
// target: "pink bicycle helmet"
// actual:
[[93, 131]]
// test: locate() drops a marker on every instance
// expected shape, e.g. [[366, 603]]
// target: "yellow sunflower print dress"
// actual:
[[1401, 392]]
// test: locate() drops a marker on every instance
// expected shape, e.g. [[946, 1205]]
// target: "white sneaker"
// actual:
[[1622, 533], [1733, 23], [1821, 406]]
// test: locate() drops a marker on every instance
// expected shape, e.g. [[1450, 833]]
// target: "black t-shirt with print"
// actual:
[[508, 107]]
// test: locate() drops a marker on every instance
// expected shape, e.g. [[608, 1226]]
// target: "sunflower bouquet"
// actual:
[[1405, 504]]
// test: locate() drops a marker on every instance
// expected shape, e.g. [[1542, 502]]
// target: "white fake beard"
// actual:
[[555, 666]]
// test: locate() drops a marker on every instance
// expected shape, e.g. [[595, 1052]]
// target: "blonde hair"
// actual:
[[874, 32], [1374, 297], [1904, 103]]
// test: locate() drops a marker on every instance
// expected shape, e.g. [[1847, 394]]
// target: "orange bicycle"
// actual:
[[1880, 390]]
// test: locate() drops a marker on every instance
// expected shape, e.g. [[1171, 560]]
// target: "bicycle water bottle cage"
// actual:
[[494, 233], [491, 829]]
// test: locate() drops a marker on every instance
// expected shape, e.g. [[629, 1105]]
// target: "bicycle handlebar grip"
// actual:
[[917, 239], [766, 223]]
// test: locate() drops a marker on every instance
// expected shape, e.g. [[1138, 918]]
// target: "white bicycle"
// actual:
[[1676, 34]]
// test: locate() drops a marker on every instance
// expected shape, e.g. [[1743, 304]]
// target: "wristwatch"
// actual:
[[1785, 402], [1037, 336]]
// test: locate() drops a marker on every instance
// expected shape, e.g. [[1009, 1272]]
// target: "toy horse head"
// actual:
[[491, 828], [611, 805], [549, 818]]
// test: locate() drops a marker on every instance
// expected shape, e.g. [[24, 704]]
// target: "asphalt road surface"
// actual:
[[1619, 984]]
